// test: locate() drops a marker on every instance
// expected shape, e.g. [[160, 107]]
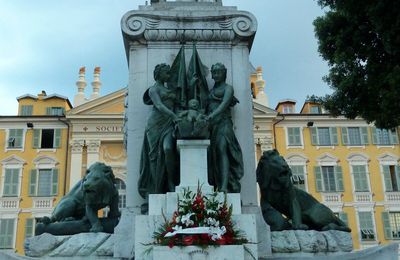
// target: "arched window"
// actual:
[[121, 187]]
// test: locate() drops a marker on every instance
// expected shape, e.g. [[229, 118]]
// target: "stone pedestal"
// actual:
[[193, 165]]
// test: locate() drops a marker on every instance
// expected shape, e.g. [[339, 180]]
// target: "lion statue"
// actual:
[[77, 211], [279, 196]]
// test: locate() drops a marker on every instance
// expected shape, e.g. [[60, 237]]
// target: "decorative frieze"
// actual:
[[93, 146]]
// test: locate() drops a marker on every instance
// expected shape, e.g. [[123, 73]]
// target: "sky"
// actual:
[[43, 43]]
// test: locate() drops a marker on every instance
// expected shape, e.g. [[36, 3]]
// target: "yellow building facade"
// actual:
[[33, 163], [349, 165]]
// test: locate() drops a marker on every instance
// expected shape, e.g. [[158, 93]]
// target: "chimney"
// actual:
[[79, 98], [96, 84], [260, 85]]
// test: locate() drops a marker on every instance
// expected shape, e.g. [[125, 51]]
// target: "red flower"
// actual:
[[187, 240], [221, 241], [171, 243]]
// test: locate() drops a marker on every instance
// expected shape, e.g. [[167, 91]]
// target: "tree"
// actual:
[[360, 40]]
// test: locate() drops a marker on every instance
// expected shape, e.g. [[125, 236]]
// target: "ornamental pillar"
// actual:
[[76, 162]]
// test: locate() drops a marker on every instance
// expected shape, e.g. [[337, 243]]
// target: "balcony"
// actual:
[[392, 196], [42, 202], [332, 198], [363, 196], [9, 203]]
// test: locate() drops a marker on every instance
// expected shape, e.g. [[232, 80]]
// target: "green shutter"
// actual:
[[397, 174], [48, 110], [62, 111], [386, 225], [314, 136], [290, 135], [339, 178], [387, 178], [334, 135], [394, 139], [318, 178], [29, 227], [374, 135], [36, 138], [7, 182], [343, 217], [54, 182], [7, 233], [364, 135], [18, 137], [345, 137], [32, 182], [14, 182], [57, 138], [297, 137]]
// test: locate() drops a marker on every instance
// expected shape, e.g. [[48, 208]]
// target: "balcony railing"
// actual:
[[42, 203], [392, 196], [332, 197], [9, 203], [363, 196]]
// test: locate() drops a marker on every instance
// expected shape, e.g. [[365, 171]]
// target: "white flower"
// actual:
[[186, 219], [211, 211], [217, 232], [178, 219], [212, 222]]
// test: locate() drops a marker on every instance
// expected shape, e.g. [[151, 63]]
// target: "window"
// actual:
[[11, 182], [29, 227], [367, 230], [315, 110], [329, 178], [294, 138], [121, 187], [26, 110], [354, 135], [6, 233], [391, 176], [15, 137], [391, 224], [298, 176], [360, 176], [324, 136], [43, 182], [46, 138], [384, 136], [55, 111], [288, 109]]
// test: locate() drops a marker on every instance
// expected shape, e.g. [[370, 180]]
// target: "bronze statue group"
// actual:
[[184, 107]]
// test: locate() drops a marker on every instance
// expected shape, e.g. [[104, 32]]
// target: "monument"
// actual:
[[187, 130]]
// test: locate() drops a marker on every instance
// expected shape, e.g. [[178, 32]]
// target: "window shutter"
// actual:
[[343, 217], [57, 138], [386, 225], [334, 136], [364, 178], [7, 234], [29, 227], [18, 137], [387, 178], [290, 135], [48, 110], [7, 182], [374, 135], [32, 182], [364, 135], [314, 136], [339, 178], [54, 182], [296, 133], [345, 137], [14, 182], [36, 138], [397, 173], [62, 111], [394, 139], [318, 178]]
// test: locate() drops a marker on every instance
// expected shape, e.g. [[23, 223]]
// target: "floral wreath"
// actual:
[[200, 220]]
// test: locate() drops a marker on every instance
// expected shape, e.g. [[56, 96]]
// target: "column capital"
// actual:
[[93, 146], [77, 145]]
